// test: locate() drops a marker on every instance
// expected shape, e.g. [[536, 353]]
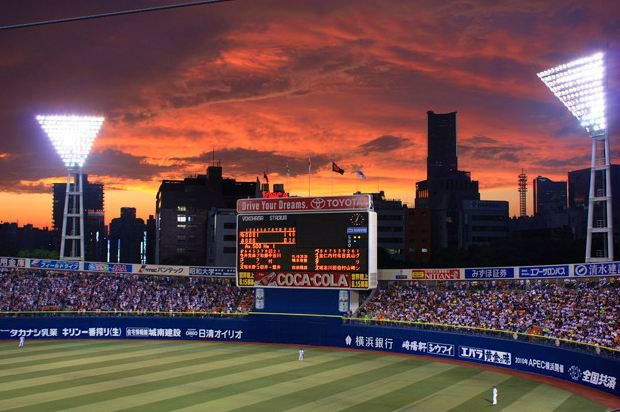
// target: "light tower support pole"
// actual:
[[601, 225], [73, 218]]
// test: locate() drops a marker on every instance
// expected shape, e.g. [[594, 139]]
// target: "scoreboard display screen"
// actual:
[[307, 250]]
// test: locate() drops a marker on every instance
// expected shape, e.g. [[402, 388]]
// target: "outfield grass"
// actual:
[[199, 376]]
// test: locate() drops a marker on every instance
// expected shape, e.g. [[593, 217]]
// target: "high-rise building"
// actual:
[[549, 196], [127, 234], [442, 160], [182, 213], [95, 240], [446, 187]]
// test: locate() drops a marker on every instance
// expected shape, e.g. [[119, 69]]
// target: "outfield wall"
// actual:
[[591, 370]]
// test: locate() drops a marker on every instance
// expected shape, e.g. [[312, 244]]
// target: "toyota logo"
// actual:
[[317, 203]]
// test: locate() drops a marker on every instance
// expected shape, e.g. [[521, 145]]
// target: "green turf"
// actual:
[[199, 376]]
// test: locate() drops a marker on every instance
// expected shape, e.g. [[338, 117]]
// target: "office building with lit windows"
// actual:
[[185, 211]]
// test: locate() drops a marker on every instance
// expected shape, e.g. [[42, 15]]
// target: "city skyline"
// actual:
[[267, 86]]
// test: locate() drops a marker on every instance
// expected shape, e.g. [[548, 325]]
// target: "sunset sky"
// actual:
[[265, 83]]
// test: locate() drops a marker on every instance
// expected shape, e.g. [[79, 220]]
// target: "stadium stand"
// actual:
[[36, 290], [586, 311]]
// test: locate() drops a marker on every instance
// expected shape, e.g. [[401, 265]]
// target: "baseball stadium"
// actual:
[[306, 321], [240, 296]]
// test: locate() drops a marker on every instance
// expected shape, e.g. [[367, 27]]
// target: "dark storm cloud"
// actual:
[[384, 144], [488, 148], [481, 140], [567, 130], [16, 178], [102, 65], [325, 59], [242, 86], [189, 133], [495, 67], [122, 165], [231, 84], [27, 159], [565, 164], [137, 116], [246, 161]]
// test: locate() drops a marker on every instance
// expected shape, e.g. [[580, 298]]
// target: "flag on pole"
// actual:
[[337, 169], [265, 177], [288, 170], [309, 166], [360, 175]]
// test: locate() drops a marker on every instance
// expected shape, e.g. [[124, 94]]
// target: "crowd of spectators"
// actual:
[[578, 310], [35, 290], [583, 311]]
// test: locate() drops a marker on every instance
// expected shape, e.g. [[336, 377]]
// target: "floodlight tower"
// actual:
[[580, 85], [72, 137]]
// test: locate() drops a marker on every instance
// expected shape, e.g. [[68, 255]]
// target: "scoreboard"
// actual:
[[313, 249]]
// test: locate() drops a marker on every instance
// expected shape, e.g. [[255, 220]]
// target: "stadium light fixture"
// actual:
[[580, 86], [72, 136]]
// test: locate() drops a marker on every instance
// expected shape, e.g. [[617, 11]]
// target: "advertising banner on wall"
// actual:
[[361, 281], [9, 262], [54, 264], [490, 273], [580, 367], [574, 366], [304, 280], [110, 328], [597, 269], [544, 271], [435, 274], [222, 272], [161, 270], [108, 267]]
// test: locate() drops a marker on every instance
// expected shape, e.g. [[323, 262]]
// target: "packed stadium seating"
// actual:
[[585, 311], [35, 290]]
